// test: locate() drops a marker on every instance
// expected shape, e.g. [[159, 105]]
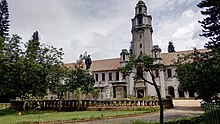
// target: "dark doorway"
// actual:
[[140, 93], [191, 94], [181, 93], [171, 91]]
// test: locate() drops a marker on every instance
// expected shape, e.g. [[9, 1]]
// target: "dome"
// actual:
[[156, 48], [124, 51], [140, 2]]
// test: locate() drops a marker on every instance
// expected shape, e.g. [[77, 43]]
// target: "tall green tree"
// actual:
[[10, 68], [199, 72], [4, 18], [41, 63], [148, 65], [33, 47], [211, 22]]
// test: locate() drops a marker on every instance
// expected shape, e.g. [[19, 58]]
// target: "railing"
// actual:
[[88, 104], [212, 112]]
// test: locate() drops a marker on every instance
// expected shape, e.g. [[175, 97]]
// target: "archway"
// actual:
[[171, 91], [140, 93]]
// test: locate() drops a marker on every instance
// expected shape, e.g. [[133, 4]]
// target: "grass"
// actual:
[[12, 117]]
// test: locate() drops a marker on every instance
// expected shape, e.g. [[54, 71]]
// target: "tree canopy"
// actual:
[[33, 68], [211, 22], [27, 70], [4, 18], [171, 48], [199, 72]]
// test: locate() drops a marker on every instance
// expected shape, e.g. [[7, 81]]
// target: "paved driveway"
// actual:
[[183, 108]]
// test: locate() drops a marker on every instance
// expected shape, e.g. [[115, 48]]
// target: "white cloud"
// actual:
[[102, 27]]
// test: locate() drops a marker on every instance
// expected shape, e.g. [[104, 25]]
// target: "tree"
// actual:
[[10, 68], [145, 64], [80, 78], [28, 71], [171, 47], [4, 18], [211, 24], [33, 47], [199, 72]]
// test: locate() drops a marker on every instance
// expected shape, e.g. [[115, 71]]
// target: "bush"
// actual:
[[187, 120], [148, 110]]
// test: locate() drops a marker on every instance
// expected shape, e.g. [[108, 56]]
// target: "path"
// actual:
[[183, 108]]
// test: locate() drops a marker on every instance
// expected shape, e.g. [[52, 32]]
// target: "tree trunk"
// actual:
[[160, 100]]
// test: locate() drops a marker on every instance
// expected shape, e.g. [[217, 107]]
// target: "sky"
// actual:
[[103, 27]]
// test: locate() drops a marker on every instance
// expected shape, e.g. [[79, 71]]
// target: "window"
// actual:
[[140, 36], [117, 76], [141, 53], [140, 10], [139, 72], [157, 73], [140, 19], [123, 57], [110, 76], [140, 45], [96, 77], [169, 73], [155, 54], [103, 76]]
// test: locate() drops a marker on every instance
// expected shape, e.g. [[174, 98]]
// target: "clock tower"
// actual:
[[141, 31]]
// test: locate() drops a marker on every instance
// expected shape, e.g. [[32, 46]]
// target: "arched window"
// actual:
[[140, 20], [123, 57], [139, 72], [140, 9], [155, 54]]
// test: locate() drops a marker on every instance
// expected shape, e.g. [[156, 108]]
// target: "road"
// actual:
[[183, 108]]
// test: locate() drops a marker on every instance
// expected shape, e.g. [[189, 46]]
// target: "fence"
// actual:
[[88, 104], [212, 112]]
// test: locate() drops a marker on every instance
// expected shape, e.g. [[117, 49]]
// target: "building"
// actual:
[[114, 84]]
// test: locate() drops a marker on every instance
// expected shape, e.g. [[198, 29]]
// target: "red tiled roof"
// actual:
[[113, 64], [168, 58], [105, 65], [100, 65]]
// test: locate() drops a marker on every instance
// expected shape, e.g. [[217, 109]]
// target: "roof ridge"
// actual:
[[184, 51]]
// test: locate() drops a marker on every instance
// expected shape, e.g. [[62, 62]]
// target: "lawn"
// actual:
[[12, 117]]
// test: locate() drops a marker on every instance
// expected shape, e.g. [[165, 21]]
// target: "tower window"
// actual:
[[155, 54], [123, 57], [140, 45], [140, 36], [141, 53], [140, 9], [140, 19]]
